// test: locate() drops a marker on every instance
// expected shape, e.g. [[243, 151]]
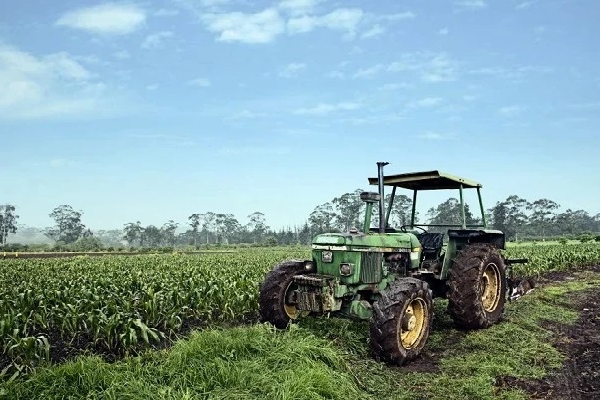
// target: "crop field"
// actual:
[[52, 310]]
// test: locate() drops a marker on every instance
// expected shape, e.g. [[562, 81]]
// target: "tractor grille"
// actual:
[[370, 267]]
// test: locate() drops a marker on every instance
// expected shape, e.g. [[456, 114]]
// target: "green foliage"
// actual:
[[563, 240]]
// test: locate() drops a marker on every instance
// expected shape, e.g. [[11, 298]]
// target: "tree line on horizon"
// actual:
[[518, 218]]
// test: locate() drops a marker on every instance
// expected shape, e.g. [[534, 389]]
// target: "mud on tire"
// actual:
[[401, 321], [273, 290], [477, 287]]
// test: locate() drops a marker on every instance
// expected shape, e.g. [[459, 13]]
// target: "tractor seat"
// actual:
[[431, 242]]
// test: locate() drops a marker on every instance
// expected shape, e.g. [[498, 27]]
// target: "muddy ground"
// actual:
[[579, 378]]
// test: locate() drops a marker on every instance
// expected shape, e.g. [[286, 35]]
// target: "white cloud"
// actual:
[[426, 102], [156, 39], [325, 108], [291, 70], [46, 86], [515, 72], [376, 30], [261, 27], [436, 136], [109, 18], [472, 4], [199, 82], [443, 31], [344, 19], [511, 111], [430, 67]]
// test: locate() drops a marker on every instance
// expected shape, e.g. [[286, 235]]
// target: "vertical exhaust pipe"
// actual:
[[380, 166]]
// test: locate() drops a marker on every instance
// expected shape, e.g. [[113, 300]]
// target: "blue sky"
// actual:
[[154, 110]]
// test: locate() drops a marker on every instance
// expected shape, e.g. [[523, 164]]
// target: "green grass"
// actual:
[[323, 358]]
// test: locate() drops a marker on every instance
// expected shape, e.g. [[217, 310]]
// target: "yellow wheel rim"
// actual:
[[413, 323], [490, 293]]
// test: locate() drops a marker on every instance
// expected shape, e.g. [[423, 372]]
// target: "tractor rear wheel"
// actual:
[[401, 321], [274, 299], [477, 287]]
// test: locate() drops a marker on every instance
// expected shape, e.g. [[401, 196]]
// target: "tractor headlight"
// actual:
[[346, 269], [327, 256], [308, 266]]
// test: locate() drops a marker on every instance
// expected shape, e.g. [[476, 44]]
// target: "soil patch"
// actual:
[[579, 378]]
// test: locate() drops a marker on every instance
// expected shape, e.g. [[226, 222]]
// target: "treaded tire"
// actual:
[[273, 292], [389, 312], [468, 284]]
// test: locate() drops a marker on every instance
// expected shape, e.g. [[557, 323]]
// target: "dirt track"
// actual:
[[579, 378]]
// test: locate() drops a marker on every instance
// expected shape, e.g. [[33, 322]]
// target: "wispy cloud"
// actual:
[[376, 30], [471, 4], [291, 70], [109, 18], [327, 108], [431, 67], [166, 12], [122, 55], [199, 82], [44, 86], [152, 87], [515, 72], [298, 7], [426, 102], [261, 27], [443, 31], [156, 39], [436, 136], [511, 111], [342, 19], [524, 4]]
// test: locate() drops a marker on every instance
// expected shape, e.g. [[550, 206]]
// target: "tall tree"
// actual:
[[401, 209], [152, 236], [449, 212], [322, 218], [195, 224], [168, 232], [257, 225], [208, 223], [68, 227], [542, 215], [8, 222], [133, 231], [347, 209]]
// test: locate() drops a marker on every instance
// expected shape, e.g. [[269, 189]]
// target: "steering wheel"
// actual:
[[403, 228]]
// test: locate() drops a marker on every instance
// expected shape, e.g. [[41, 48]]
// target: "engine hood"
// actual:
[[386, 242]]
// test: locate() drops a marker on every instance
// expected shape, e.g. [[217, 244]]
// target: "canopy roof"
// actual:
[[427, 180]]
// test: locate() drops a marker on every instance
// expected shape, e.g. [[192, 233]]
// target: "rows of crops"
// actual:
[[117, 304]]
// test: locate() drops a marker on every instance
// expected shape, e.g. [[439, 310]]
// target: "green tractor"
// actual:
[[390, 277]]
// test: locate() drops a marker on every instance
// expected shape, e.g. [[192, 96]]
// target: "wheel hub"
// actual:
[[413, 323]]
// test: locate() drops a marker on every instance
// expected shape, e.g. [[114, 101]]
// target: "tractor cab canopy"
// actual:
[[428, 180]]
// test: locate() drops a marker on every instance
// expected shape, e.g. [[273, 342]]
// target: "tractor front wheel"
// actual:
[[401, 321], [477, 287], [274, 299]]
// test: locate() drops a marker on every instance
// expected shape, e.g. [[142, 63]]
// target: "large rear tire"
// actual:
[[274, 304], [401, 321], [477, 287]]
